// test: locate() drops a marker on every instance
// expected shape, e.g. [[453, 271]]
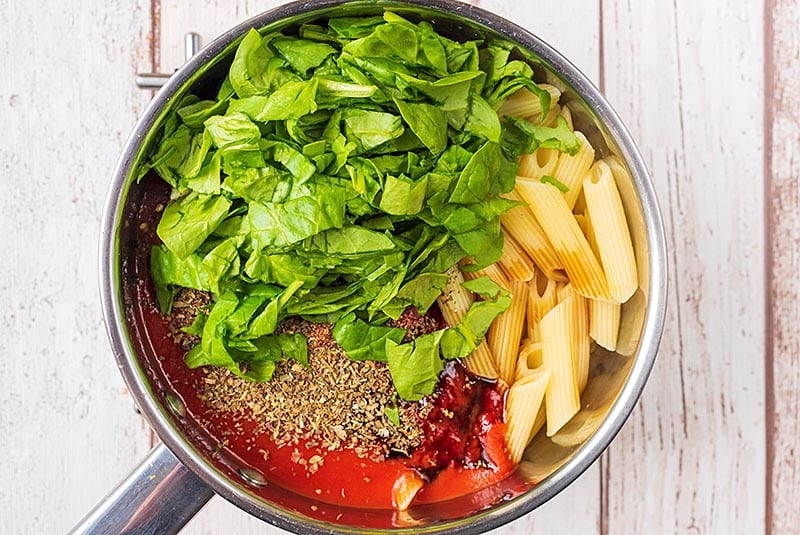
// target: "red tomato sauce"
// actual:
[[463, 450]]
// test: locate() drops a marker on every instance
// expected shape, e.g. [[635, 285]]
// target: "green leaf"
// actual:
[[429, 123], [187, 222], [403, 196], [370, 129], [291, 101], [363, 341], [559, 137], [415, 366], [302, 54], [392, 414], [280, 224]]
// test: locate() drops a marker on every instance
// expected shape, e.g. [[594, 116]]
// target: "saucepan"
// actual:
[[182, 474]]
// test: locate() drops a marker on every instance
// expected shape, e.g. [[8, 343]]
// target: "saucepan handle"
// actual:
[[159, 496]]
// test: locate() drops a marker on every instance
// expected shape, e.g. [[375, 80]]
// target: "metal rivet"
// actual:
[[175, 404], [253, 477]]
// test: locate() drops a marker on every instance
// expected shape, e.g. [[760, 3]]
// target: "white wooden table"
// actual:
[[711, 91]]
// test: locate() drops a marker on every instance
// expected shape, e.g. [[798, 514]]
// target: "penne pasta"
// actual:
[[567, 115], [454, 302], [492, 271], [530, 358], [520, 223], [581, 344], [562, 398], [539, 422], [579, 261], [515, 263], [540, 302], [571, 170], [481, 362], [610, 228], [522, 406], [524, 103], [604, 323], [506, 331], [538, 164]]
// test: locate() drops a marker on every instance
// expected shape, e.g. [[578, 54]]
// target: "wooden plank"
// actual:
[[67, 104], [577, 509], [686, 78], [782, 121]]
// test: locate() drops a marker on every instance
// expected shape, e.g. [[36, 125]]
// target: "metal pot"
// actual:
[[181, 475]]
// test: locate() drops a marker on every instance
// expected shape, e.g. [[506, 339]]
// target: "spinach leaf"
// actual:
[[187, 222], [363, 341]]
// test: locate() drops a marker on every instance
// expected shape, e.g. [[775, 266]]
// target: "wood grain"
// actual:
[[686, 78], [782, 121], [67, 104]]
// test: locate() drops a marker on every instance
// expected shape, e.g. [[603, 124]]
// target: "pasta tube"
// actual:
[[571, 170], [562, 399], [506, 331], [567, 115], [604, 323], [524, 103], [515, 262], [539, 163], [610, 228], [530, 358], [521, 224], [522, 406], [539, 304], [454, 302], [492, 271], [579, 261], [581, 345]]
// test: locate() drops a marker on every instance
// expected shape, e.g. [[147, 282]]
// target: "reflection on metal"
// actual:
[[138, 504], [155, 80]]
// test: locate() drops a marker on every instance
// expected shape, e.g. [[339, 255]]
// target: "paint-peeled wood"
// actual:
[[782, 116], [68, 428], [686, 78]]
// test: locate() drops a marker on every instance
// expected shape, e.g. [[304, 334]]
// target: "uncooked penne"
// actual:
[[581, 345], [607, 218], [579, 261], [571, 170], [524, 103], [539, 163], [604, 323], [492, 271], [567, 115], [529, 358], [506, 332], [515, 262], [539, 304], [454, 302], [524, 400], [562, 398], [482, 362], [520, 223]]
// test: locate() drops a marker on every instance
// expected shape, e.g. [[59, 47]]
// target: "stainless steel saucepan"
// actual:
[[180, 475]]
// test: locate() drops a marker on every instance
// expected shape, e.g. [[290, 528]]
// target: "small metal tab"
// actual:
[[252, 477], [154, 80], [175, 404]]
